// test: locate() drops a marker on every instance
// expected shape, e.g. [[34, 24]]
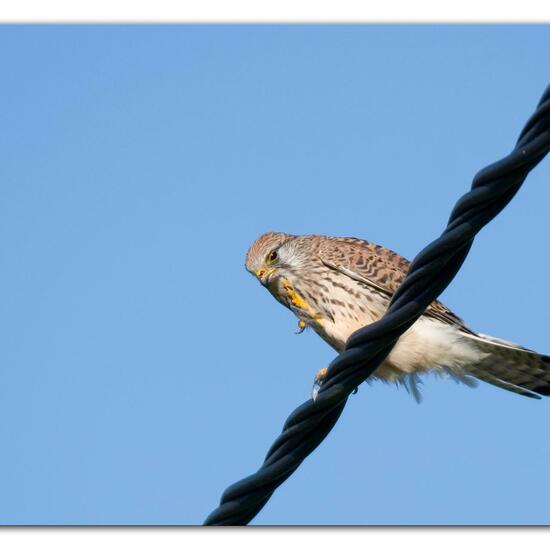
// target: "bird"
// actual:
[[337, 285]]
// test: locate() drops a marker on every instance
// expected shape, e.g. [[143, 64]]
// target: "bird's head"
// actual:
[[271, 258]]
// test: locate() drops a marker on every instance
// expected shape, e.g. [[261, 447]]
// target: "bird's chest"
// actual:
[[335, 306]]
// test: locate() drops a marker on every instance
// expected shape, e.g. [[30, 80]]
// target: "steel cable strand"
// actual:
[[430, 273]]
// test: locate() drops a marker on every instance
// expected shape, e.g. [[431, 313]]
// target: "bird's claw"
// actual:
[[315, 391], [318, 382], [301, 327]]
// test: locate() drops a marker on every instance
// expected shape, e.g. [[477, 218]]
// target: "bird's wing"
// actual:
[[379, 268]]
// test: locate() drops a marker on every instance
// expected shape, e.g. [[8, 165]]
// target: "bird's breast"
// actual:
[[335, 306]]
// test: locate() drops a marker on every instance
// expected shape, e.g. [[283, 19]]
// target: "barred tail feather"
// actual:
[[511, 367]]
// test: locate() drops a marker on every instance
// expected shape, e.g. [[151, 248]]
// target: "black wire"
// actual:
[[430, 273]]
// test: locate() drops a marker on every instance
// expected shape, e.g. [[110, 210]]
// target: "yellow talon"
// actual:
[[301, 326]]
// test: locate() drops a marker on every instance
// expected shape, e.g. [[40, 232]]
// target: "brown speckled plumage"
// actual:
[[337, 285]]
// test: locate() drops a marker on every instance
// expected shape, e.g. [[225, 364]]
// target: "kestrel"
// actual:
[[337, 285]]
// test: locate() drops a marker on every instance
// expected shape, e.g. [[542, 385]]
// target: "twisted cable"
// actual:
[[430, 273]]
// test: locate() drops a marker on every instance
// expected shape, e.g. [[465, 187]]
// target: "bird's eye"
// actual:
[[272, 256]]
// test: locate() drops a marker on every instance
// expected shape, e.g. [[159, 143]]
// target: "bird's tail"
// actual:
[[510, 367]]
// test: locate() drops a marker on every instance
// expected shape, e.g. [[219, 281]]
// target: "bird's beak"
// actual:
[[264, 274]]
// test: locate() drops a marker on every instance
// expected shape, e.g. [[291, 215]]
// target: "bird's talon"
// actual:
[[318, 382], [315, 391], [301, 326]]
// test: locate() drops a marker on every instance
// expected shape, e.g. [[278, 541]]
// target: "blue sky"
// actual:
[[142, 370]]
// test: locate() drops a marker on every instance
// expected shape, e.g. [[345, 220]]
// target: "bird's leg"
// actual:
[[301, 326]]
